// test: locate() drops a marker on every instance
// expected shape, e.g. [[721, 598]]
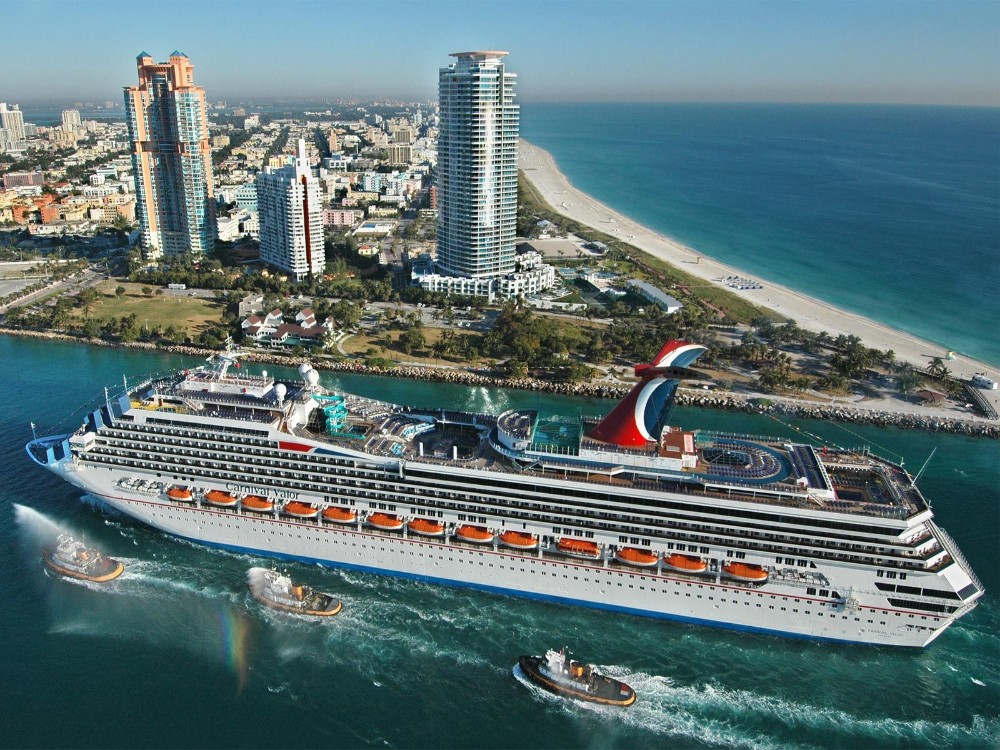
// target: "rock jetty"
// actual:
[[685, 397]]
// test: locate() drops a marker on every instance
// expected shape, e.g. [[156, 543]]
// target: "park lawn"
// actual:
[[359, 344], [190, 314]]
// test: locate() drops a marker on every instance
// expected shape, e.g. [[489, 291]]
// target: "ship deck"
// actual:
[[860, 483], [729, 467]]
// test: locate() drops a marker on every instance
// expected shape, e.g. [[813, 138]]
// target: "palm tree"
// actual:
[[937, 368]]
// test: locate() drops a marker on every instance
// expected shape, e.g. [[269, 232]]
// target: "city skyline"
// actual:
[[904, 52]]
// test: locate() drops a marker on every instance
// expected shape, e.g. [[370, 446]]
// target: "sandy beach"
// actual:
[[815, 315]]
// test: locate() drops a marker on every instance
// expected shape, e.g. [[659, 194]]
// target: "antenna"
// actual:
[[919, 473]]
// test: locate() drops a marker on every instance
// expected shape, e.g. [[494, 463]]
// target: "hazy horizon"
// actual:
[[909, 52]]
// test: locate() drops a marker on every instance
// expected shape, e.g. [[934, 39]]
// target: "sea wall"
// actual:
[[685, 397]]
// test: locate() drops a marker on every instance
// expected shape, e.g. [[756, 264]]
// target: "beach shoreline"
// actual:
[[540, 169]]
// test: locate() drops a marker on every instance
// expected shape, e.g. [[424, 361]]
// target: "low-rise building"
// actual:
[[657, 296]]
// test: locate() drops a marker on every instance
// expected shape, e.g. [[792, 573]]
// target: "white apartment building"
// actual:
[[291, 218], [12, 120], [71, 120], [477, 166]]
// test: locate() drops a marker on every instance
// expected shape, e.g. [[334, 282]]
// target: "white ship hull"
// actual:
[[775, 609]]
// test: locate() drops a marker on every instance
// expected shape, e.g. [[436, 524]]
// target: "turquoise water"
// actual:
[[175, 654], [888, 211]]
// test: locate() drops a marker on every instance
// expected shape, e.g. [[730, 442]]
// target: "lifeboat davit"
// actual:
[[74, 559], [474, 534], [257, 503], [426, 527], [300, 510], [339, 515], [747, 572], [685, 563], [638, 557], [578, 548], [180, 494], [385, 522], [220, 499], [519, 540]]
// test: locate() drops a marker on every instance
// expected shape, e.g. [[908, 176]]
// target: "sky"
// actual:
[[890, 51]]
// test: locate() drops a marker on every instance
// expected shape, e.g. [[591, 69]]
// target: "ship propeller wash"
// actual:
[[625, 513]]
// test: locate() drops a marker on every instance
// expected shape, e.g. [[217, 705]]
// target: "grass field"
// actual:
[[359, 344], [191, 314]]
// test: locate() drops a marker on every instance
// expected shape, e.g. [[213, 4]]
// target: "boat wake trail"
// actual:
[[708, 715], [720, 716]]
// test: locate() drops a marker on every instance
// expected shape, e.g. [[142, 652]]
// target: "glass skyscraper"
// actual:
[[171, 158], [477, 166]]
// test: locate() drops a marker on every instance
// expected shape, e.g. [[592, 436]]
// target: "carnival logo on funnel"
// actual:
[[636, 419]]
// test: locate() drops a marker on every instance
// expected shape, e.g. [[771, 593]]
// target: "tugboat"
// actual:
[[559, 674], [74, 559], [275, 590]]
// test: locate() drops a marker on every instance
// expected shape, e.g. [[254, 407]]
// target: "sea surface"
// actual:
[[892, 212], [175, 654]]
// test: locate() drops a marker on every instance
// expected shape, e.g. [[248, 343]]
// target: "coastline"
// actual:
[[727, 401], [541, 170]]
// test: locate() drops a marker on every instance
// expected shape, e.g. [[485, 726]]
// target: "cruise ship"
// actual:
[[624, 513]]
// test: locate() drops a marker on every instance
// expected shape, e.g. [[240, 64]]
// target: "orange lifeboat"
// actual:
[[300, 510], [220, 499], [385, 522], [257, 503], [473, 534], [638, 557], [426, 527], [747, 572], [578, 548], [339, 515], [519, 540], [685, 563], [180, 494]]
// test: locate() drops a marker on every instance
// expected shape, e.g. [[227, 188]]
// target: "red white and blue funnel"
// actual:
[[639, 417]]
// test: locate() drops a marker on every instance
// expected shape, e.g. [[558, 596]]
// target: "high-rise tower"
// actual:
[[12, 120], [291, 218], [171, 158], [71, 121], [477, 166]]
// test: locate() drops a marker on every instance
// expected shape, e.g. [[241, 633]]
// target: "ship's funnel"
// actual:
[[640, 416]]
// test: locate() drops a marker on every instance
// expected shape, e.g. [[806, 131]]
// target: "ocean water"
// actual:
[[888, 211], [174, 653]]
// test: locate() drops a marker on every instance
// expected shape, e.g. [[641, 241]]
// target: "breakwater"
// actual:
[[685, 397]]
